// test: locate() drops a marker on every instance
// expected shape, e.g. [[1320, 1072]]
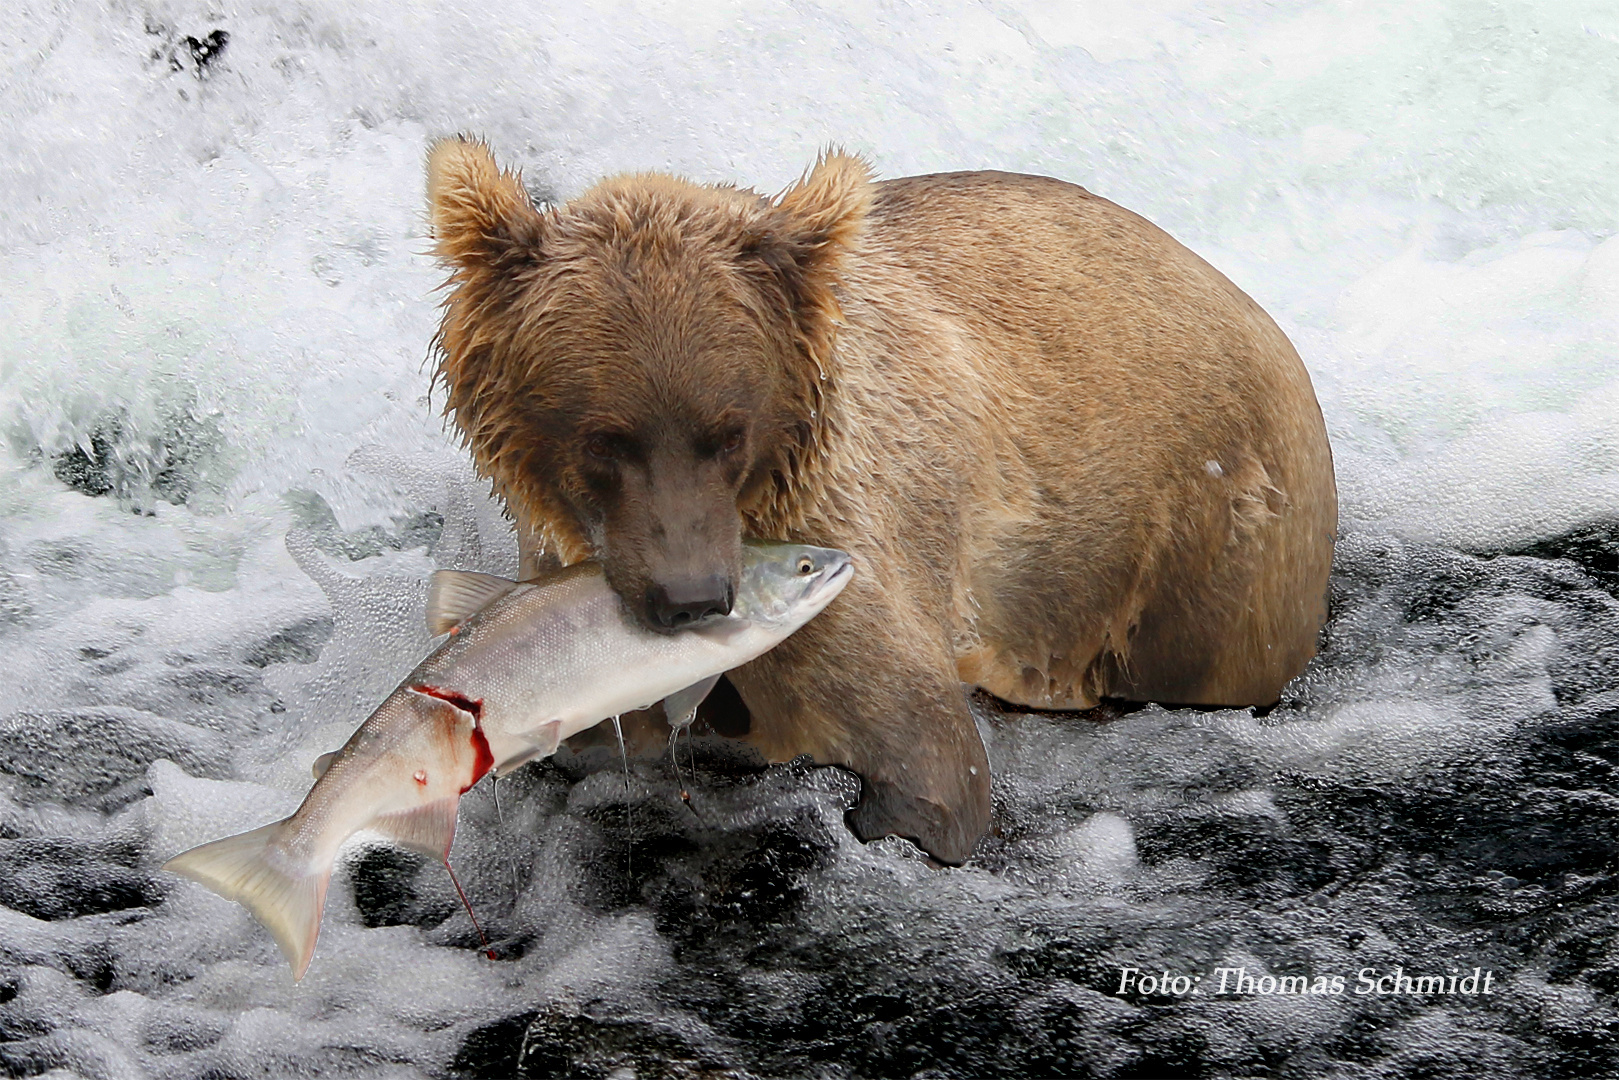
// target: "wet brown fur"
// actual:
[[1072, 459]]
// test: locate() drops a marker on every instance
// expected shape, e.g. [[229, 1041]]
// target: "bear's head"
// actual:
[[642, 372]]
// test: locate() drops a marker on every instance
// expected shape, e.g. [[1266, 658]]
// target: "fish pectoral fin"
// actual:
[[455, 595], [680, 707], [722, 631], [288, 902], [541, 742], [429, 828]]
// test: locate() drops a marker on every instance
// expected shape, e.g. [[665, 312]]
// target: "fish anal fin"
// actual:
[[429, 828], [680, 707], [455, 595], [288, 901]]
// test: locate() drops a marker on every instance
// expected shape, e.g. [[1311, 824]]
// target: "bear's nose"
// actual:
[[678, 604]]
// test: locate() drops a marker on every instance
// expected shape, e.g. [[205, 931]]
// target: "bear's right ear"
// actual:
[[481, 215], [800, 243], [814, 223], [825, 210]]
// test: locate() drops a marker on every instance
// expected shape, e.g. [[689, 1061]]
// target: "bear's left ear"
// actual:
[[481, 215], [812, 224]]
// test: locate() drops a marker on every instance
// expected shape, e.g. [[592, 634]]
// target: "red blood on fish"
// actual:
[[484, 759], [465, 704]]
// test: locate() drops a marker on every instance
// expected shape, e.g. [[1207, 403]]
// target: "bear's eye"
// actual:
[[731, 442], [601, 447], [806, 566]]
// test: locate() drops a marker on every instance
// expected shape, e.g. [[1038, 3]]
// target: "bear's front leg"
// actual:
[[871, 685]]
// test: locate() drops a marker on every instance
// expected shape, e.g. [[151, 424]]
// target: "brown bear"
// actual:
[[1072, 460]]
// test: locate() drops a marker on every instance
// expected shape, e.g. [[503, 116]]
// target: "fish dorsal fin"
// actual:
[[457, 594], [429, 828], [680, 707]]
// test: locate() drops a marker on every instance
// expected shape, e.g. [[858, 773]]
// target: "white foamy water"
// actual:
[[222, 487]]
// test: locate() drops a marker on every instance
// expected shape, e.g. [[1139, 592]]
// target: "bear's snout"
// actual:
[[683, 602], [673, 541]]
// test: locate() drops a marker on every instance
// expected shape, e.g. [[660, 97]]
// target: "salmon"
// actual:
[[524, 666]]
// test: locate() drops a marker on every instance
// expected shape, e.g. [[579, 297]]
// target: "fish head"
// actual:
[[789, 584]]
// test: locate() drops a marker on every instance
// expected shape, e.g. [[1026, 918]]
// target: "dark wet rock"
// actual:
[[594, 1045], [493, 1051], [64, 879], [749, 878], [206, 49], [174, 461], [78, 753], [388, 888], [699, 878], [383, 885], [638, 842], [314, 514], [193, 1030], [1593, 547], [299, 643], [198, 54], [1253, 856], [1082, 955], [970, 1035], [85, 469], [208, 685], [1431, 604]]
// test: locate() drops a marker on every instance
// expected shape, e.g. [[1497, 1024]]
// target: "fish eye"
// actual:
[[806, 565]]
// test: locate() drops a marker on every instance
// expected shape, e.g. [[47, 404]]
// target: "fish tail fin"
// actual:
[[241, 868]]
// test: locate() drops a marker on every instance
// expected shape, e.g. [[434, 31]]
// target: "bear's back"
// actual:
[[1184, 511]]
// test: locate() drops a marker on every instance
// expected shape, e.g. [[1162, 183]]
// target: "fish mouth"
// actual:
[[833, 583], [839, 577]]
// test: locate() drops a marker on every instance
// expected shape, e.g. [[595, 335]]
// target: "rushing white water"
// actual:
[[222, 486]]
